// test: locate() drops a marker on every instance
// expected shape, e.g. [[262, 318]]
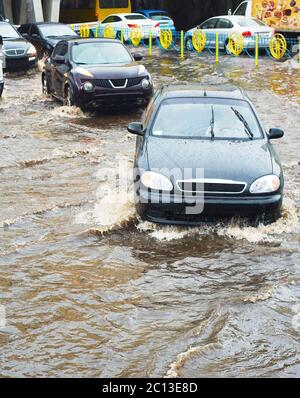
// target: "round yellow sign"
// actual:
[[236, 44], [278, 46], [199, 40], [84, 30], [109, 32], [166, 38], [136, 36]]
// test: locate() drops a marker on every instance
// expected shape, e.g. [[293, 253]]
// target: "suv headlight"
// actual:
[[156, 181], [88, 87], [31, 52], [267, 184], [146, 83]]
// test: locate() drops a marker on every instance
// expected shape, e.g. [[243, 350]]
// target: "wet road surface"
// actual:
[[90, 291]]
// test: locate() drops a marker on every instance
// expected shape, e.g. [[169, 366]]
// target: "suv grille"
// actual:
[[115, 83]]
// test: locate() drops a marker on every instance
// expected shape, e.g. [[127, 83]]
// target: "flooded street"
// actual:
[[91, 291]]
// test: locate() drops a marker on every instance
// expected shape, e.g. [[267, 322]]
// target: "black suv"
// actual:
[[90, 72]]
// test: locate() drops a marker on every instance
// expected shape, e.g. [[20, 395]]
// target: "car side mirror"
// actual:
[[274, 134], [59, 59], [136, 129], [137, 57]]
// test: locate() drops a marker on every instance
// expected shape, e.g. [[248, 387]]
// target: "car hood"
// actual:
[[113, 72], [234, 160], [15, 43]]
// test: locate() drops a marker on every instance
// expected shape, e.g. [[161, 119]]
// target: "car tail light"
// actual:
[[247, 34], [132, 26], [157, 25]]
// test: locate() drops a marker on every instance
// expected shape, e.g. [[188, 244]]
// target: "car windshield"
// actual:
[[135, 17], [8, 32], [251, 22], [99, 53], [56, 30], [206, 118]]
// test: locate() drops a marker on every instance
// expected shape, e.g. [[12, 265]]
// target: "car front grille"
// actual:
[[116, 83], [16, 52], [211, 186]]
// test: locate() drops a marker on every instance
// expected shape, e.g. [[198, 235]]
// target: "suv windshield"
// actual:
[[206, 118], [8, 32], [98, 53], [56, 30]]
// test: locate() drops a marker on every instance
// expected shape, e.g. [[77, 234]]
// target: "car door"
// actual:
[[209, 29], [36, 39], [59, 68], [224, 27]]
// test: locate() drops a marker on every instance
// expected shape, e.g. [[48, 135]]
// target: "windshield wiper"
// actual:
[[244, 121], [212, 123]]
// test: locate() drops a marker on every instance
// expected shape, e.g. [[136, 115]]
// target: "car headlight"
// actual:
[[156, 181], [146, 83], [265, 184], [31, 52], [83, 72], [88, 87]]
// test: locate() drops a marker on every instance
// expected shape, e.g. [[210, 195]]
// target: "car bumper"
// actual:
[[104, 96], [265, 207], [17, 63]]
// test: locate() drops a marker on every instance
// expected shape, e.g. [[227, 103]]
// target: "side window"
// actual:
[[148, 112], [34, 31], [224, 24], [109, 20], [24, 29], [117, 19], [60, 49], [210, 24]]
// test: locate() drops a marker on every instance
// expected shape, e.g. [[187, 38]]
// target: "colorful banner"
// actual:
[[280, 14]]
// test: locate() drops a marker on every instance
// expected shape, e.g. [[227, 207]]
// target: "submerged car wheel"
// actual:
[[69, 98], [45, 85]]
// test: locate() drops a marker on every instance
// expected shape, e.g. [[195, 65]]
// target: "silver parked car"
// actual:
[[227, 25]]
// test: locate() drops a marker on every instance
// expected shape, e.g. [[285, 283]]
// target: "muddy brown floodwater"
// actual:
[[90, 291]]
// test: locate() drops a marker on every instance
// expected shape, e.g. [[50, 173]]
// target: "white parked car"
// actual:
[[227, 25], [129, 21]]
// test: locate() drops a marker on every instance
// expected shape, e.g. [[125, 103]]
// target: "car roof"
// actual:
[[181, 90], [124, 14], [232, 17], [47, 23], [74, 40], [139, 11]]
